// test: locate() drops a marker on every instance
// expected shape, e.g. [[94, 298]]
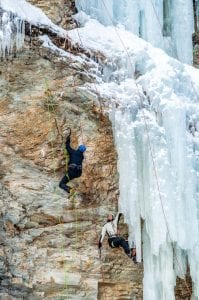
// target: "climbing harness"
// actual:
[[74, 166]]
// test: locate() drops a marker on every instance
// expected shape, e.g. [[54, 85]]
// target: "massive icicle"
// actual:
[[156, 127], [167, 24]]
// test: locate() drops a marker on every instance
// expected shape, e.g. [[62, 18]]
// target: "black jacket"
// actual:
[[75, 156]]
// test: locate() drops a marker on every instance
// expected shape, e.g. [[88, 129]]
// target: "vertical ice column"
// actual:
[[114, 12], [157, 167], [154, 22], [167, 24], [183, 27], [12, 33], [141, 17], [98, 9], [126, 12], [166, 30], [127, 165]]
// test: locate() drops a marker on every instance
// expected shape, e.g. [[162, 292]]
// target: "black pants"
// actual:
[[72, 173], [119, 241]]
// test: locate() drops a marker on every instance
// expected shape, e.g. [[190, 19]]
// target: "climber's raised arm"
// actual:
[[67, 144], [117, 218]]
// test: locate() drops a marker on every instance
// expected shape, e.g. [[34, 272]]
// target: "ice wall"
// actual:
[[167, 24], [154, 109]]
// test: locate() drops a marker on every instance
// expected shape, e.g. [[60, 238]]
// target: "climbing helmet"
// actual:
[[82, 148]]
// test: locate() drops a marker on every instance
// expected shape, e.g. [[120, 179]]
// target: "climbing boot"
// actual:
[[68, 189]]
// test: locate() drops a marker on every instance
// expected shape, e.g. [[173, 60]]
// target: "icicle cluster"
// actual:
[[13, 15], [164, 23], [12, 33]]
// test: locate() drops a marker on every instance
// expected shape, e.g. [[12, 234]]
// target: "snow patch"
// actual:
[[47, 43]]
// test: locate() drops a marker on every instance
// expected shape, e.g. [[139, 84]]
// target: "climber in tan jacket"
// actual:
[[114, 239]]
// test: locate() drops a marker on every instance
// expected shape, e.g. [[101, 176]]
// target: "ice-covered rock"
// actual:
[[155, 115], [13, 15], [164, 23]]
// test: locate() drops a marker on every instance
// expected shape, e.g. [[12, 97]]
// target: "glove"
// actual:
[[100, 245]]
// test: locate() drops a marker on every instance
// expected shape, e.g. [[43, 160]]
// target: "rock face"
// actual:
[[48, 243]]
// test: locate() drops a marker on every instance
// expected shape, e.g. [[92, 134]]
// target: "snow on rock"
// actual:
[[164, 23], [154, 109], [47, 43], [13, 15]]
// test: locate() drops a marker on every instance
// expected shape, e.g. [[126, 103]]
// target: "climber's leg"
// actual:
[[113, 242], [125, 245], [74, 173], [63, 183], [116, 241]]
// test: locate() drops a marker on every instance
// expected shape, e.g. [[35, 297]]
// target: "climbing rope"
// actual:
[[150, 147], [60, 219], [81, 129], [95, 223]]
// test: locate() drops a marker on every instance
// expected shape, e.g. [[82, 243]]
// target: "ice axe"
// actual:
[[67, 132], [100, 253]]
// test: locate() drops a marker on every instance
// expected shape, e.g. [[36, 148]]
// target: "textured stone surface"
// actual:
[[59, 11], [48, 243]]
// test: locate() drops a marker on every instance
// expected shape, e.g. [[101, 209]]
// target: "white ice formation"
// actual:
[[13, 15], [154, 109], [197, 13], [167, 24]]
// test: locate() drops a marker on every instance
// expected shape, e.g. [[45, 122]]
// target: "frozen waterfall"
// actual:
[[154, 109], [166, 24]]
